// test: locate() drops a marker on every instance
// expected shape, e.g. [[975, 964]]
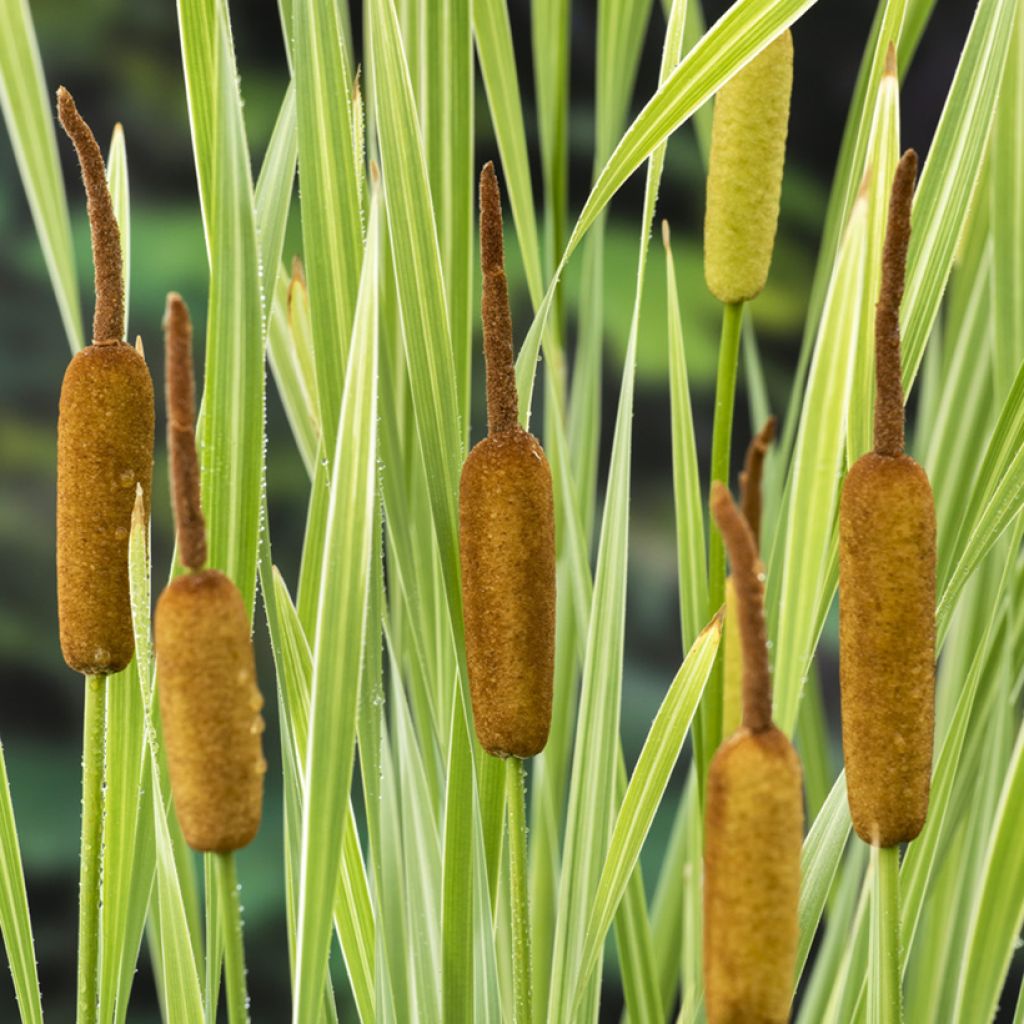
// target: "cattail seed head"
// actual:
[[506, 537], [104, 448], [753, 824], [210, 703], [748, 148], [210, 707], [887, 588]]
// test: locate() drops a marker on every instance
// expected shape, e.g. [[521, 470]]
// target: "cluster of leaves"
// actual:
[[371, 354]]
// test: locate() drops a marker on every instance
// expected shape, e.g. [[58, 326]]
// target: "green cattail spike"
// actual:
[[210, 703], [506, 536], [753, 823], [887, 587], [104, 446], [748, 148]]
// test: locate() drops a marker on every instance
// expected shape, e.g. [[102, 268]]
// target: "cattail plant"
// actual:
[[753, 822], [104, 446], [748, 148], [210, 703], [887, 586], [104, 455], [750, 502], [506, 535]]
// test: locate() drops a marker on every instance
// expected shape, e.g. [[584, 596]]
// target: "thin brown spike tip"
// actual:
[[753, 823], [748, 580], [750, 477], [108, 320], [887, 587], [502, 399], [889, 399], [181, 437], [506, 537]]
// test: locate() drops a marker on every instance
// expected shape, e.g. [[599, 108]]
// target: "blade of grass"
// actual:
[[331, 224], [15, 921], [644, 793], [231, 423], [501, 83], [28, 113], [814, 487], [338, 653]]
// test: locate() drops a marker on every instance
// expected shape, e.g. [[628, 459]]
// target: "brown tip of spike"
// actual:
[[889, 438], [747, 575], [750, 478], [181, 437], [502, 400], [108, 320]]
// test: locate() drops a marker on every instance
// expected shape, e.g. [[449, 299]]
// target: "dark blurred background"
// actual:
[[122, 62]]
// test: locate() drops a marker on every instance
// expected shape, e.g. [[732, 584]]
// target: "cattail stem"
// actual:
[[230, 915], [889, 374], [750, 478], [708, 724], [885, 984], [521, 968], [92, 848], [502, 399], [108, 320], [747, 577], [181, 436]]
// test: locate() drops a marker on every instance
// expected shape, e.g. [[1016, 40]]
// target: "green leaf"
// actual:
[[498, 70], [823, 850], [798, 571], [231, 422], [420, 285], [28, 113], [15, 923], [646, 788], [943, 199], [689, 505], [998, 910], [338, 651], [331, 225]]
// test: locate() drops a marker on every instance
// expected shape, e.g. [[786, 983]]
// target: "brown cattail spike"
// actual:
[[750, 477], [502, 400], [889, 397], [748, 579], [506, 537], [210, 702], [753, 824], [108, 320], [181, 437]]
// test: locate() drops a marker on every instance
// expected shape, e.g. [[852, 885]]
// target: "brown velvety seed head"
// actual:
[[210, 707], [887, 644], [507, 548], [104, 449], [754, 836]]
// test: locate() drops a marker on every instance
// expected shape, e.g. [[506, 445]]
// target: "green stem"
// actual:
[[92, 847], [516, 799], [708, 726], [886, 999], [231, 936]]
